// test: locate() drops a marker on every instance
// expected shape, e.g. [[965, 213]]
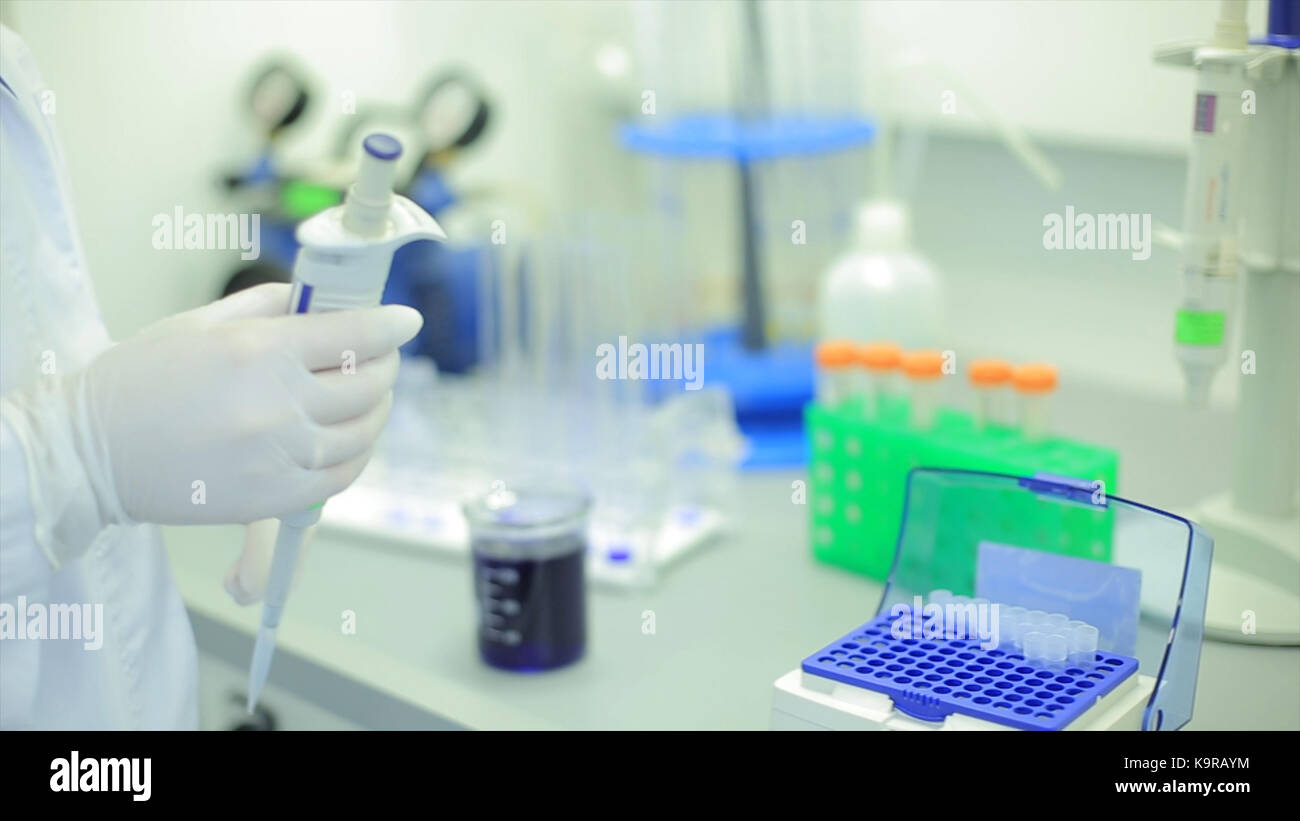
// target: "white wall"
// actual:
[[1077, 71], [148, 95], [148, 107]]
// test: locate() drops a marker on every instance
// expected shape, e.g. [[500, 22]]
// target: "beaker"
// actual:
[[529, 547]]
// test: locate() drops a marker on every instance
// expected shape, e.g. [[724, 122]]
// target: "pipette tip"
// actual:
[[260, 667]]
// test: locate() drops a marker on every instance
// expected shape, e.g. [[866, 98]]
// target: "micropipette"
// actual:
[[342, 263]]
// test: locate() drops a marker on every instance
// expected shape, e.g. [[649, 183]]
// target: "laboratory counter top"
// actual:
[[384, 636]]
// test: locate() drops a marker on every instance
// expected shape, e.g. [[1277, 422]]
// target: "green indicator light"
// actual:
[[1199, 328], [303, 199]]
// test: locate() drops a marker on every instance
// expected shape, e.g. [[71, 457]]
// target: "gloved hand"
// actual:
[[229, 413]]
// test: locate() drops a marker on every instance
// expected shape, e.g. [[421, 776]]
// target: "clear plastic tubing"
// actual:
[[991, 379], [835, 364], [1034, 383], [879, 362], [1084, 639], [924, 371]]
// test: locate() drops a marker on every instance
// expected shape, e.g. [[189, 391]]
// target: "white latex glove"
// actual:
[[229, 413]]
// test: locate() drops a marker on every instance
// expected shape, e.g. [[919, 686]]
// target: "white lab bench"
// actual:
[[727, 623]]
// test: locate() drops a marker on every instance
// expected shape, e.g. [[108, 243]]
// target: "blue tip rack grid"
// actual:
[[930, 679]]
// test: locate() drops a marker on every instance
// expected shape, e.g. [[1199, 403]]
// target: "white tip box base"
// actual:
[[801, 701]]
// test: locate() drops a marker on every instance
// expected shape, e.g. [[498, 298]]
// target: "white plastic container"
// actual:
[[881, 289]]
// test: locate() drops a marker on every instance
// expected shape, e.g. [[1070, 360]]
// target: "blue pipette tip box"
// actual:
[[931, 679]]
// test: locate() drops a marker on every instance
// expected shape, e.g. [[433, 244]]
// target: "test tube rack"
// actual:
[[931, 679], [858, 469]]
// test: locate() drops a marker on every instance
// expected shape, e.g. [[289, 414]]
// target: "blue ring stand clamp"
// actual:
[[1144, 590]]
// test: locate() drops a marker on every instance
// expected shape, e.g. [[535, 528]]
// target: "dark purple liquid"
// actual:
[[532, 613]]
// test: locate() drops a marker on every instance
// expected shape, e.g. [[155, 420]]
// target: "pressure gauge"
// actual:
[[277, 97], [451, 112]]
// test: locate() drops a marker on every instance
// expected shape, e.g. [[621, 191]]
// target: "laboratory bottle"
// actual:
[[881, 288]]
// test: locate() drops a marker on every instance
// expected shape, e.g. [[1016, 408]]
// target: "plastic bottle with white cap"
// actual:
[[882, 288]]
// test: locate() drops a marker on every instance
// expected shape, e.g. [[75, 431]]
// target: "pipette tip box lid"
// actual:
[[1147, 598]]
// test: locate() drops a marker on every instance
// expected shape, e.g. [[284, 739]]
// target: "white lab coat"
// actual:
[[145, 674]]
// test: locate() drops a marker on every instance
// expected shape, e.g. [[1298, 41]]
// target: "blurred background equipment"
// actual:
[[1240, 222], [448, 116], [788, 135], [866, 442], [658, 456]]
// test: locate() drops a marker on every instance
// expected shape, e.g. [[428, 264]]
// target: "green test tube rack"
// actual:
[[858, 470]]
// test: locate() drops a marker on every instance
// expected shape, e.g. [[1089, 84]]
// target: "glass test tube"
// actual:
[[879, 361], [924, 370], [1035, 384], [835, 359], [991, 379]]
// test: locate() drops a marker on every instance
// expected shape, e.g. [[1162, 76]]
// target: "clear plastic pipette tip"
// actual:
[[260, 667]]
